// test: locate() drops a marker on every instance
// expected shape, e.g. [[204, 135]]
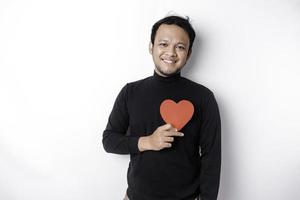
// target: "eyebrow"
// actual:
[[164, 40]]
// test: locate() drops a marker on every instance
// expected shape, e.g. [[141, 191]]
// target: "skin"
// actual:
[[161, 138], [170, 53], [170, 50]]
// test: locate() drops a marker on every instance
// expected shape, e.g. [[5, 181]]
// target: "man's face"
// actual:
[[170, 49]]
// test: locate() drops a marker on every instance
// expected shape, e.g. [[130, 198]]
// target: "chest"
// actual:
[[145, 116]]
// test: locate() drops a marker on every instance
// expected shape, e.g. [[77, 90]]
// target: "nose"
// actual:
[[171, 51]]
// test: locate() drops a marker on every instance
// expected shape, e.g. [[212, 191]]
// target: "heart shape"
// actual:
[[177, 114]]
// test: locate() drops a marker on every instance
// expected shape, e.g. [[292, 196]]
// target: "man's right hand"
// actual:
[[161, 138]]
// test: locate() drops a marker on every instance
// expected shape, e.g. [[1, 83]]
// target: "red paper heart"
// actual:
[[177, 114]]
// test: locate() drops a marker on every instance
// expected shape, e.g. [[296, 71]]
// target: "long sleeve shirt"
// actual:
[[191, 167]]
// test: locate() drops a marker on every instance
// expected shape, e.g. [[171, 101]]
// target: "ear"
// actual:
[[150, 47]]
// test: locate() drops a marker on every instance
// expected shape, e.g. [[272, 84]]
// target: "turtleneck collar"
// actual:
[[172, 78]]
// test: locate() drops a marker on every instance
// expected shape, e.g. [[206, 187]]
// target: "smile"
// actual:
[[169, 61]]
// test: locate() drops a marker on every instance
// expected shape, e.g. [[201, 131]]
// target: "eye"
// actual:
[[163, 44], [181, 47]]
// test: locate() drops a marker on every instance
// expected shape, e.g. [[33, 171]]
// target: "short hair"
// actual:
[[184, 23]]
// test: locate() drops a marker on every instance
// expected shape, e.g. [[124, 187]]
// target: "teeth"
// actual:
[[168, 61]]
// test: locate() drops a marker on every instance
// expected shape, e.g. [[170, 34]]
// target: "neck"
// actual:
[[172, 78]]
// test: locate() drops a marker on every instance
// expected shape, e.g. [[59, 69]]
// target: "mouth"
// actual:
[[169, 61]]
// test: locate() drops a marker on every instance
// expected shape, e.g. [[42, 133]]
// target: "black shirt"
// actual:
[[181, 172]]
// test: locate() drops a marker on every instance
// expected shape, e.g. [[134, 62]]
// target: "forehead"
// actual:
[[172, 33]]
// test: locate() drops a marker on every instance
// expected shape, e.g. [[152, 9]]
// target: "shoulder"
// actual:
[[205, 95], [197, 87], [140, 83]]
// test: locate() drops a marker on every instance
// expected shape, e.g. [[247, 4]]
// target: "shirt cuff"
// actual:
[[133, 144]]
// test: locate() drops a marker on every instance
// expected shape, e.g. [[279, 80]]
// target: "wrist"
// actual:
[[144, 144]]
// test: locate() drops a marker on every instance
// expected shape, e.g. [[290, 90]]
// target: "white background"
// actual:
[[63, 62]]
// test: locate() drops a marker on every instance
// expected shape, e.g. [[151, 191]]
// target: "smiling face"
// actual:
[[170, 50]]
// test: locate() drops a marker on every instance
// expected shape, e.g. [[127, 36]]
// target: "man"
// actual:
[[165, 163]]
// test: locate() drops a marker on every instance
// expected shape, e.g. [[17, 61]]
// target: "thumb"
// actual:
[[167, 126]]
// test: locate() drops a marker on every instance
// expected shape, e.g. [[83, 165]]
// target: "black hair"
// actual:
[[184, 23]]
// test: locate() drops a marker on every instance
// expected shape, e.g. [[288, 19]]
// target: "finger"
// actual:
[[167, 126], [173, 129], [167, 145], [169, 139], [173, 133]]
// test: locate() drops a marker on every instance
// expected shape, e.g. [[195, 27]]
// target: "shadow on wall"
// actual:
[[228, 166], [291, 190]]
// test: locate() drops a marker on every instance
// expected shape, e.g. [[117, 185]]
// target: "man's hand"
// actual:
[[161, 138]]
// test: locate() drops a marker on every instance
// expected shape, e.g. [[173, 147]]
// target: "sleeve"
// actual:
[[210, 144], [114, 136]]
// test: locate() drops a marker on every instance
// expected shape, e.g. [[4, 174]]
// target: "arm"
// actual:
[[210, 143], [114, 137], [116, 141]]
